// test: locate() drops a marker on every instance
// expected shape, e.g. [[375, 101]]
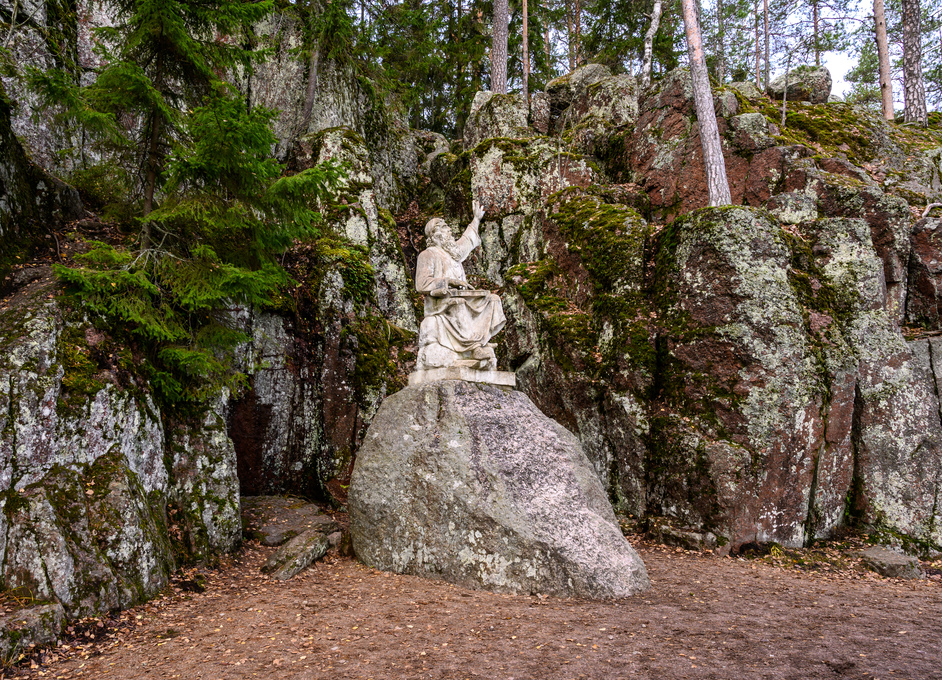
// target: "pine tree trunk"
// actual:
[[499, 48], [570, 35], [577, 21], [648, 61], [758, 49], [721, 39], [713, 161], [765, 19], [311, 93], [914, 89], [526, 55], [817, 34], [883, 54]]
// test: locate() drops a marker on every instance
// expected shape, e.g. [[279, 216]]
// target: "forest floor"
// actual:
[[796, 614]]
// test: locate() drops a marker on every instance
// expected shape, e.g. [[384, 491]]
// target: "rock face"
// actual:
[[337, 99], [805, 84], [753, 388], [319, 368], [99, 497], [788, 443], [472, 484], [30, 199]]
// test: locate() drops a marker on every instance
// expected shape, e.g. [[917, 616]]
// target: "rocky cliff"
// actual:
[[743, 371], [763, 372]]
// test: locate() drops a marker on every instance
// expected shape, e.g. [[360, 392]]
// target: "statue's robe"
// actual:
[[458, 323]]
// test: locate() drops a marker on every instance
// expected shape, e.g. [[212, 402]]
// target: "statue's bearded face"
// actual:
[[442, 237]]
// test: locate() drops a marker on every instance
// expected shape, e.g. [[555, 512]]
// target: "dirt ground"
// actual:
[[704, 617]]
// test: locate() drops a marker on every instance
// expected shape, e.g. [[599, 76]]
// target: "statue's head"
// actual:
[[436, 229]]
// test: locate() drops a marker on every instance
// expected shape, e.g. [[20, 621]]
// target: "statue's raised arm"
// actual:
[[459, 321]]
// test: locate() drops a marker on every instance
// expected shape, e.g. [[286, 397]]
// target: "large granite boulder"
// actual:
[[564, 90], [496, 115], [472, 484], [805, 84]]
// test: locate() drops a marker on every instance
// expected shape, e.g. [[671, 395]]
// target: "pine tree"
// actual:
[[914, 109], [499, 47], [713, 161]]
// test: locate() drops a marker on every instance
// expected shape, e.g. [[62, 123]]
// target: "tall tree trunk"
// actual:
[[150, 180], [721, 39], [152, 160], [577, 22], [768, 66], [648, 61], [758, 49], [883, 55], [914, 110], [499, 48], [817, 32], [526, 55], [311, 93], [571, 36], [713, 161]]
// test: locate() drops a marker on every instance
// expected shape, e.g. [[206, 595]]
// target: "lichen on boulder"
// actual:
[[805, 83], [90, 491], [473, 485]]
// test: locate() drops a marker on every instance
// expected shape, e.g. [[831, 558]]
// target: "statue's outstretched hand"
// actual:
[[459, 284], [477, 210]]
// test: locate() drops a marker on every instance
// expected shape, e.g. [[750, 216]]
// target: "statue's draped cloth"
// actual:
[[458, 323]]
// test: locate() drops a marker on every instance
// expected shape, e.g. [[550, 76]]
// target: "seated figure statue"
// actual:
[[459, 321]]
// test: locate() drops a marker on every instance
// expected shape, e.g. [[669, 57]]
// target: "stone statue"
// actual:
[[459, 321]]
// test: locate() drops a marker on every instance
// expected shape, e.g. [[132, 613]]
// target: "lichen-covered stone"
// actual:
[[473, 485], [39, 625], [517, 176], [784, 406], [793, 207], [747, 89], [496, 115], [889, 219], [564, 90], [737, 454], [924, 299], [204, 488], [362, 224], [805, 83], [297, 554], [339, 99], [540, 112], [613, 99], [751, 131], [91, 491], [30, 199]]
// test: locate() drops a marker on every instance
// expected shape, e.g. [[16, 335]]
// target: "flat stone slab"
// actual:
[[891, 564], [505, 378], [297, 554], [274, 520]]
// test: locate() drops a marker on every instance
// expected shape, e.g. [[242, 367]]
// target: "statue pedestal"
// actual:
[[505, 378], [472, 484]]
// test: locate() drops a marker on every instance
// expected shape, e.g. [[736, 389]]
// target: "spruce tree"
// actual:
[[163, 57], [229, 212]]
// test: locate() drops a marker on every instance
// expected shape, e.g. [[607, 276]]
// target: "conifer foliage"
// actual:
[[225, 210]]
